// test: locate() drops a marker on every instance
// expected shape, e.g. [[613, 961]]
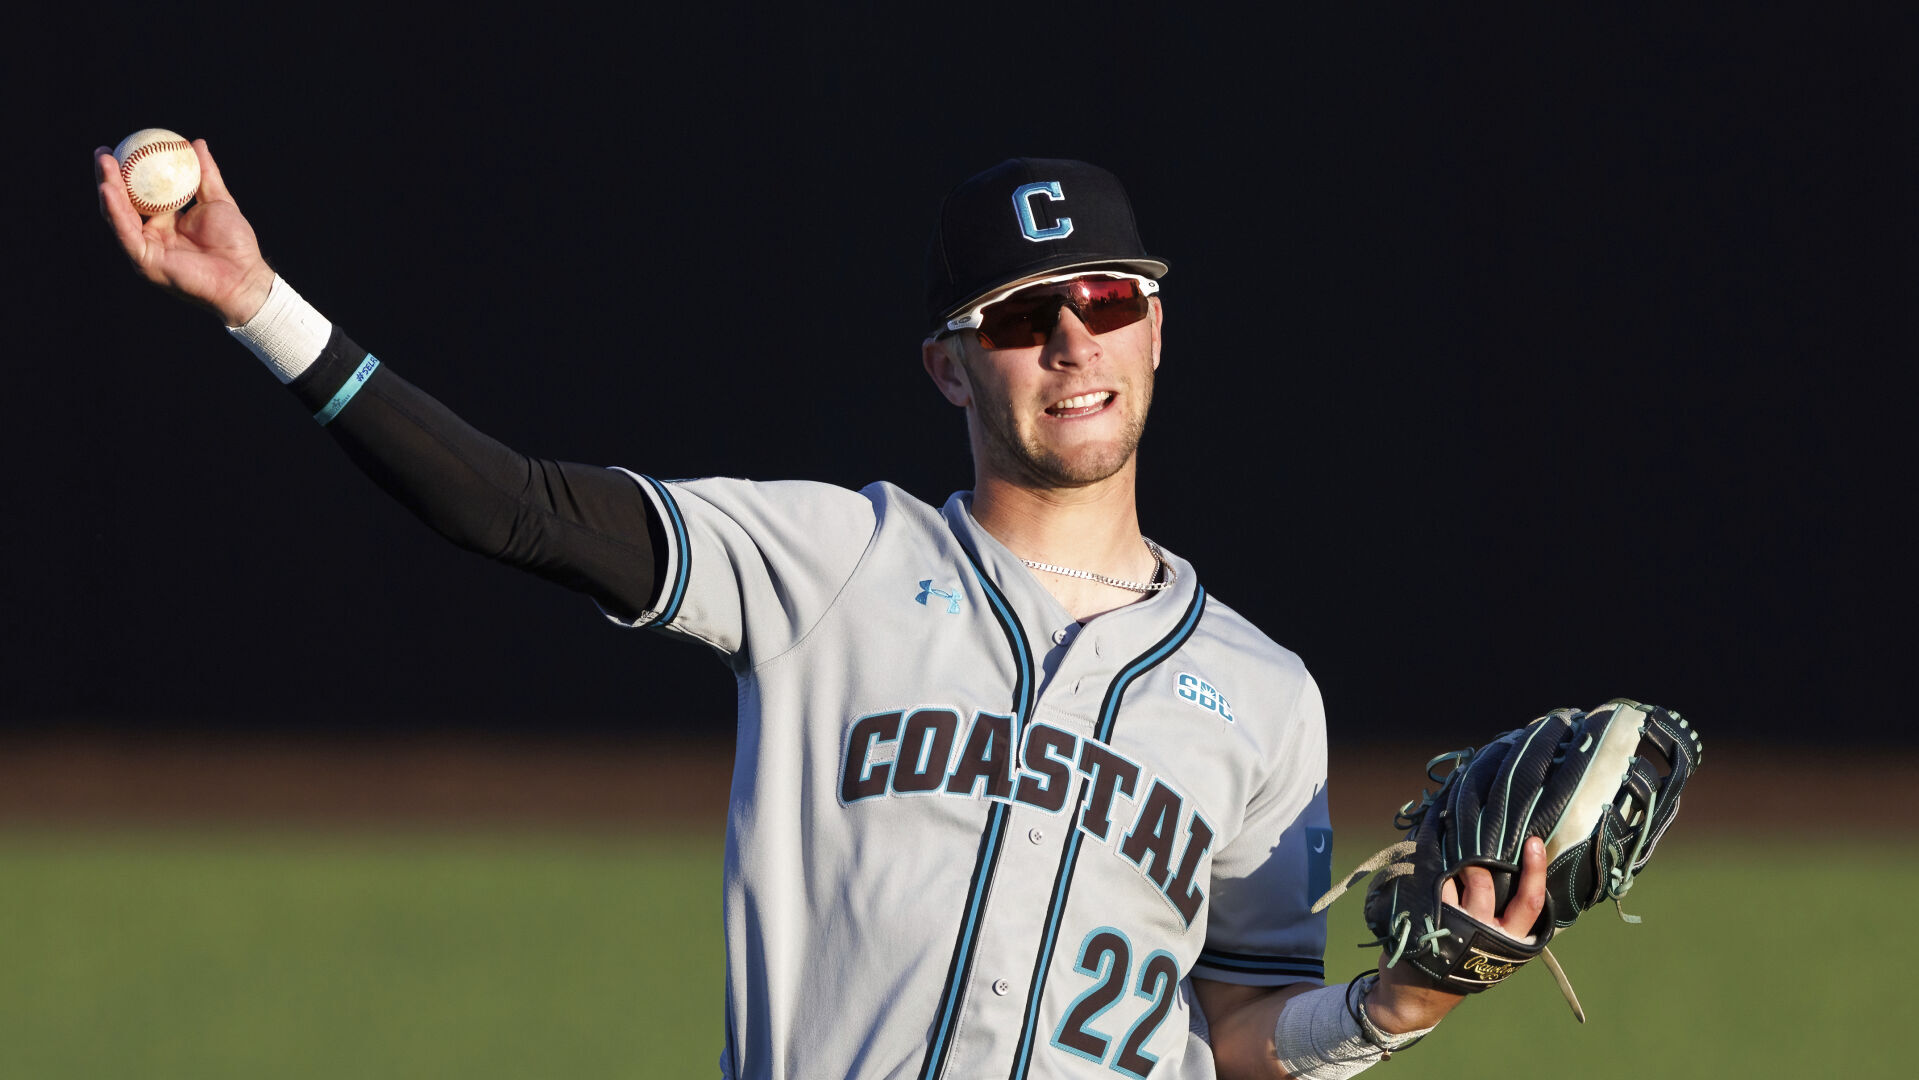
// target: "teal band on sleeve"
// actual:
[[347, 389]]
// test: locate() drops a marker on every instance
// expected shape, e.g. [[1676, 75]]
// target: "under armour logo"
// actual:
[[952, 598]]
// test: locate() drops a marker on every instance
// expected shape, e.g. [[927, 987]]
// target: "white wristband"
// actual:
[[287, 334], [1318, 1038]]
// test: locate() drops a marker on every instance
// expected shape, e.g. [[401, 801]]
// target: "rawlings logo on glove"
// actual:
[[1489, 969], [1599, 788]]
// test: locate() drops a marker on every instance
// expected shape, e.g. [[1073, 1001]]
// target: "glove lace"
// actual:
[[1620, 875], [1385, 864], [1430, 939]]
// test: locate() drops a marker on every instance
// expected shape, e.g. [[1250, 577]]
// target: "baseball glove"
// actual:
[[1600, 788]]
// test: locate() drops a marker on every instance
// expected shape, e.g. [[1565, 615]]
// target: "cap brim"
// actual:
[[1151, 268]]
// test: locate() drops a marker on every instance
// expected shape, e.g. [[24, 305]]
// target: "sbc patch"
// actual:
[[1198, 691]]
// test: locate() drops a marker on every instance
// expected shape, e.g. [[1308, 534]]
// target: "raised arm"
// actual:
[[581, 526]]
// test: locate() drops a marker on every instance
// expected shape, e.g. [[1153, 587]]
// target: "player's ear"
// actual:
[[941, 359], [1158, 315]]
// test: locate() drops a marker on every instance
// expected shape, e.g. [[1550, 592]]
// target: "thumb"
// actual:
[[213, 187]]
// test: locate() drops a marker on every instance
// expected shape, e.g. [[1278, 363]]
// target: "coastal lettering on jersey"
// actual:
[[911, 753]]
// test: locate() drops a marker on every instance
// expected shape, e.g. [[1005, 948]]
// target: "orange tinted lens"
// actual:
[[1027, 318], [1105, 304]]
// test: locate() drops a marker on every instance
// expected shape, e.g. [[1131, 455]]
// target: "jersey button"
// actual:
[[1002, 987], [1035, 835], [1060, 636]]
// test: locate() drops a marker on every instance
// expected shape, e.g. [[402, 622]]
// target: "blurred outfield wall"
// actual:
[[169, 779]]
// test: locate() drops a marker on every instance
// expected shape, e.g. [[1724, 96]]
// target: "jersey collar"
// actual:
[[1147, 620]]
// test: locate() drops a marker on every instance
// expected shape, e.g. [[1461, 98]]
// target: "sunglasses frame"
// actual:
[[972, 317]]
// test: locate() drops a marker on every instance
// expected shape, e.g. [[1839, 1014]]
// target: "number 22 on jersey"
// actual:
[[1106, 957]]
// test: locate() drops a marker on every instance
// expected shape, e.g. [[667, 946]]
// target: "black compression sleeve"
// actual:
[[587, 528]]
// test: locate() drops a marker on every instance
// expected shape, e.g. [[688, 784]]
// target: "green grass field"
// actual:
[[228, 953], [232, 954], [1751, 961]]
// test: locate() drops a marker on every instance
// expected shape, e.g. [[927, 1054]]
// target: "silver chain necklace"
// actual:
[[1155, 585]]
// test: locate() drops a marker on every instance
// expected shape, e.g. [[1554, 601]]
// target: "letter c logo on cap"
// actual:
[[1023, 206]]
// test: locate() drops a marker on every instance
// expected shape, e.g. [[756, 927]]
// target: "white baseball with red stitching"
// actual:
[[160, 170]]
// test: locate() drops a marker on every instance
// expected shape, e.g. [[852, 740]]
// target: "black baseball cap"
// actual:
[[1025, 217]]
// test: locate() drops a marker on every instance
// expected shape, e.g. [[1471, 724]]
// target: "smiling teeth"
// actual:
[[1098, 397]]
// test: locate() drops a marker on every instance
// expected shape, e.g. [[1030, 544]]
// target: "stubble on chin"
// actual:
[[1034, 464]]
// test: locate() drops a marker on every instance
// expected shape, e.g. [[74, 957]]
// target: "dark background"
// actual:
[[1512, 361]]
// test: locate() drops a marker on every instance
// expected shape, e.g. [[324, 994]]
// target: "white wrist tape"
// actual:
[[287, 334], [1318, 1038]]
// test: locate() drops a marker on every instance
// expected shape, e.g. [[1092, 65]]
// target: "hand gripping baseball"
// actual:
[[206, 254]]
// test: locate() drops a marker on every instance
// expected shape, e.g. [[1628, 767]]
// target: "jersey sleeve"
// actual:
[[750, 568], [1261, 930]]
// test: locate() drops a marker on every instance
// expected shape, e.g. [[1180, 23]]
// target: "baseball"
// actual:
[[160, 170]]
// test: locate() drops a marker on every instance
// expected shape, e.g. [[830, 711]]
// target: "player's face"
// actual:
[[1066, 414]]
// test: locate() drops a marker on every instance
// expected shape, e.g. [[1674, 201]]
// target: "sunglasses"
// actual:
[[1024, 316]]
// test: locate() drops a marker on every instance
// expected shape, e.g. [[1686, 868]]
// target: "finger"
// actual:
[[104, 168], [1476, 893], [213, 187], [115, 206], [100, 178], [1530, 898]]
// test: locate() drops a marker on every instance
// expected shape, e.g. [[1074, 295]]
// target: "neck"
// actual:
[[1094, 528]]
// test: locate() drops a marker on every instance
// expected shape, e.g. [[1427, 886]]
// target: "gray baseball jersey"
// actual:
[[970, 837]]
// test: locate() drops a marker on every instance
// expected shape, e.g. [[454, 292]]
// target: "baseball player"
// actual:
[[1015, 796]]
